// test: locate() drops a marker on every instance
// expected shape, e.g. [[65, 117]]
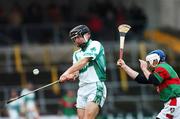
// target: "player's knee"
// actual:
[[89, 112]]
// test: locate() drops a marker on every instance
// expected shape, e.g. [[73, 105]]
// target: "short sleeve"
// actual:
[[93, 50], [161, 74], [22, 100], [74, 58]]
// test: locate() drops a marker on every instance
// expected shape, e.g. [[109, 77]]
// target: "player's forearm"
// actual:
[[75, 75], [146, 73], [77, 66], [132, 73]]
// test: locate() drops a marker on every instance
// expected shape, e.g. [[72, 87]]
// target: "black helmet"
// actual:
[[79, 30]]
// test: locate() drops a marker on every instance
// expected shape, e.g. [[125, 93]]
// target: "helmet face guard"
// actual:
[[153, 59], [75, 34]]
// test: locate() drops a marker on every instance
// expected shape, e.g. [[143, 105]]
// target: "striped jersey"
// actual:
[[95, 69], [28, 100], [169, 86], [13, 109]]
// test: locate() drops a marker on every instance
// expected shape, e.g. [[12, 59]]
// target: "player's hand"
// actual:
[[121, 63], [71, 77], [65, 77], [143, 64]]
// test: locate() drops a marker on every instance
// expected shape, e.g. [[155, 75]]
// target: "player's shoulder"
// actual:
[[164, 65], [24, 91], [76, 51], [94, 43]]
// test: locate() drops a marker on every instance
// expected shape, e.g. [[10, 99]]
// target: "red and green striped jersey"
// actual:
[[169, 86]]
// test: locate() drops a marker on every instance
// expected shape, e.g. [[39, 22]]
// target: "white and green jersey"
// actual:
[[28, 100], [95, 70], [13, 109]]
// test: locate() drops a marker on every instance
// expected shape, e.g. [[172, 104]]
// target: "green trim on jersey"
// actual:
[[75, 56], [99, 65], [99, 93], [84, 68]]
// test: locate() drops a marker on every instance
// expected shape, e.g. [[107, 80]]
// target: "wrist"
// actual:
[[144, 69], [66, 73], [123, 66]]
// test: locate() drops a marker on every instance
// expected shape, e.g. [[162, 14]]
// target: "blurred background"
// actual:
[[34, 34]]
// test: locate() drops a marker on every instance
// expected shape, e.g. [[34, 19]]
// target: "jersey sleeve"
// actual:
[[93, 50], [140, 78], [74, 58], [22, 100], [161, 74]]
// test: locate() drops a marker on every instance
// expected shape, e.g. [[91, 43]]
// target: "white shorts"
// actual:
[[171, 109], [92, 92], [13, 114]]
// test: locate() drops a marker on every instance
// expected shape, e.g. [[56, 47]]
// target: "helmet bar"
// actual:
[[151, 58]]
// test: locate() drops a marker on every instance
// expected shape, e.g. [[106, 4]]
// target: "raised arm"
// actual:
[[150, 77], [72, 71], [140, 78], [132, 73]]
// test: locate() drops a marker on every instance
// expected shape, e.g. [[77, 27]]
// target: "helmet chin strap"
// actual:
[[85, 38], [83, 45]]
